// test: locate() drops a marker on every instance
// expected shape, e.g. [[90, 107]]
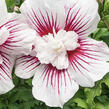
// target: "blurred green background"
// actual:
[[86, 98]]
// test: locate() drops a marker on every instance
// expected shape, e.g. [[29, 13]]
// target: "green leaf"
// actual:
[[28, 105], [101, 24], [12, 106], [101, 34], [81, 103], [91, 93], [1, 105], [10, 5], [106, 7], [105, 80], [99, 106], [106, 19]]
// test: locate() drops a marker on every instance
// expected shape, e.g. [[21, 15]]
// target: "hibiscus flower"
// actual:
[[62, 57], [10, 45]]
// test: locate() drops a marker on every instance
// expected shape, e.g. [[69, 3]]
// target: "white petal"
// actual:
[[26, 66], [89, 62], [6, 83], [4, 34], [44, 15], [82, 16], [52, 86], [3, 12], [21, 38], [61, 62], [70, 39], [1, 59], [81, 77]]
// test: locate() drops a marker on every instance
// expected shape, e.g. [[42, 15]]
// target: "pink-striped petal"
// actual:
[[88, 62], [48, 82], [82, 16], [44, 15], [20, 39], [71, 15], [26, 66], [52, 86], [4, 34], [6, 67]]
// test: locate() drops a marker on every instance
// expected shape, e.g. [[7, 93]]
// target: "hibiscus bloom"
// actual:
[[6, 60], [10, 45], [63, 57]]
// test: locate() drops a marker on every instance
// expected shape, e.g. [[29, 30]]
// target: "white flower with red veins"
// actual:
[[63, 56], [6, 60], [11, 44]]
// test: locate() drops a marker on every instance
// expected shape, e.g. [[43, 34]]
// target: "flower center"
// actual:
[[52, 48]]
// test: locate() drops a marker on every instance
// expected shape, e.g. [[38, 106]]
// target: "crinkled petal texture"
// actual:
[[72, 15], [87, 64], [6, 66]]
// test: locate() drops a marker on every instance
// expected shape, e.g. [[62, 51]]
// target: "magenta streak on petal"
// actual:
[[34, 24], [6, 44], [58, 78], [54, 77], [7, 23], [11, 25], [75, 56], [81, 26], [83, 53], [76, 60], [89, 55], [43, 24], [53, 71], [5, 67], [54, 22], [40, 25], [45, 70], [48, 72], [76, 22], [28, 62], [2, 76], [5, 58], [65, 77], [38, 64], [70, 20], [75, 64], [78, 28], [83, 60], [11, 42]]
